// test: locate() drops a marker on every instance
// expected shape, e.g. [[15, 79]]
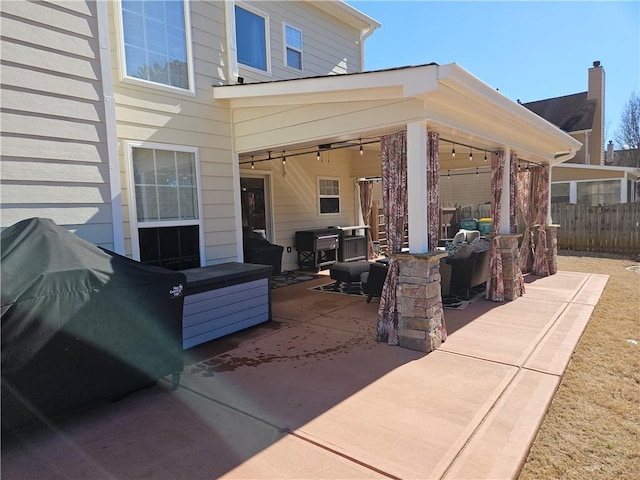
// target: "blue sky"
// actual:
[[529, 50]]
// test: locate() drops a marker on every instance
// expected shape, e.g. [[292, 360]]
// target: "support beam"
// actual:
[[417, 187], [505, 199]]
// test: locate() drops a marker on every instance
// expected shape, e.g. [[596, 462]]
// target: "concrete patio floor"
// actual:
[[312, 395]]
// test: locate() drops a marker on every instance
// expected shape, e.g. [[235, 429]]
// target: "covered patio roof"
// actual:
[[318, 110]]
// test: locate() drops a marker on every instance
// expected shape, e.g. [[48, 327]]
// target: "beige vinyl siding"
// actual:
[[54, 152], [559, 174], [145, 113], [330, 46], [295, 196], [466, 189]]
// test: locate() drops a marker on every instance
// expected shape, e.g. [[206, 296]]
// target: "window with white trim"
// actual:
[[601, 192], [328, 195], [252, 38], [155, 42], [166, 207], [293, 47]]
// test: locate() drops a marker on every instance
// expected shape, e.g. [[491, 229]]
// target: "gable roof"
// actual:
[[571, 113], [310, 111]]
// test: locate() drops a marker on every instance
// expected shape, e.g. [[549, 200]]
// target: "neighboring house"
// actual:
[[150, 128], [586, 179]]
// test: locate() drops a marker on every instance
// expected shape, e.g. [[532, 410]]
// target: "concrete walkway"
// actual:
[[312, 395]]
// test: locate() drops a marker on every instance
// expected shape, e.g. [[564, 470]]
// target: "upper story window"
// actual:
[[252, 38], [155, 42], [293, 47], [329, 195]]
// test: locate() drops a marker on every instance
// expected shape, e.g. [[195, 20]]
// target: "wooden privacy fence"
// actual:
[[610, 228]]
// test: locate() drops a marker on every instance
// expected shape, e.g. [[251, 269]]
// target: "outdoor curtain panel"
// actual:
[[526, 219], [366, 203], [495, 282], [541, 206], [394, 197], [433, 189], [513, 194]]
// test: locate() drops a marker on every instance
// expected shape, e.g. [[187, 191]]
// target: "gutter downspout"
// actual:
[[117, 224], [364, 34], [232, 57]]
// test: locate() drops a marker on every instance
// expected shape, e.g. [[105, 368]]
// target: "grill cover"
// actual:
[[80, 324]]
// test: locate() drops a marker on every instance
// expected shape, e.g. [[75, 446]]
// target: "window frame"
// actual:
[[135, 224], [321, 196], [286, 47], [122, 59], [267, 37]]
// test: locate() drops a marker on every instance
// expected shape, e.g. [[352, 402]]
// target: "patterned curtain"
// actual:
[[526, 220], [513, 209], [433, 189], [394, 198], [513, 193], [366, 202], [540, 263], [495, 282]]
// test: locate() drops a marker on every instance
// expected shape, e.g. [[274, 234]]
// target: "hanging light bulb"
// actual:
[[318, 155], [485, 155], [284, 158], [252, 164], [448, 172], [361, 150], [476, 171], [470, 155], [453, 151]]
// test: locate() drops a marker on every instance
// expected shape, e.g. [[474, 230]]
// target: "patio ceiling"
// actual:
[[311, 111]]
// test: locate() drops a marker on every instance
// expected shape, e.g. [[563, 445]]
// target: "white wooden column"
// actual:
[[417, 187], [505, 199]]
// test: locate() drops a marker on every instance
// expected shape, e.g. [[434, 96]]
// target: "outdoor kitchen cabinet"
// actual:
[[223, 299]]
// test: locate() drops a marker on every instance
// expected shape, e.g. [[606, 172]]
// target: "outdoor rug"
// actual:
[[458, 302], [291, 278], [356, 288]]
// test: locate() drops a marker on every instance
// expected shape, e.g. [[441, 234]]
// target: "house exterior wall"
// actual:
[[146, 113], [55, 159], [559, 174], [465, 188], [330, 46], [581, 155]]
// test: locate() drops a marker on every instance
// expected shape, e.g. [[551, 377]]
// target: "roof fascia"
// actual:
[[348, 14], [398, 83], [462, 82], [598, 167]]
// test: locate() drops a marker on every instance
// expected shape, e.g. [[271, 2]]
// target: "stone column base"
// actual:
[[419, 301], [552, 248], [511, 273]]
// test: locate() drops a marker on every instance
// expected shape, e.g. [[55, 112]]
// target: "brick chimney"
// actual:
[[595, 91]]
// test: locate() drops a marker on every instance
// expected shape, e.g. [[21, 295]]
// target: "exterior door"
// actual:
[[256, 204]]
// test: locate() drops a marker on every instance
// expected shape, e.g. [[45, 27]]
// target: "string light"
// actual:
[[470, 154], [448, 173], [318, 155], [453, 151], [476, 171], [485, 155], [252, 164], [284, 158]]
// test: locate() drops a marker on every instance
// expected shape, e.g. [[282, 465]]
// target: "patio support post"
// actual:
[[417, 187], [505, 198]]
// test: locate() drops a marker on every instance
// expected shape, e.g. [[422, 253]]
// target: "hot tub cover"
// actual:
[[80, 324]]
